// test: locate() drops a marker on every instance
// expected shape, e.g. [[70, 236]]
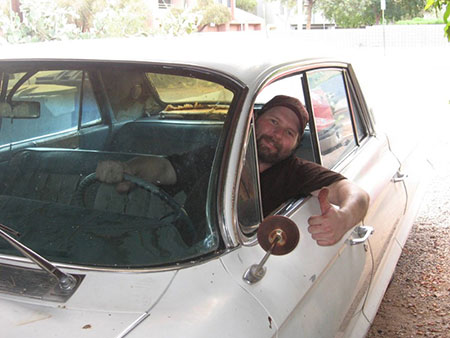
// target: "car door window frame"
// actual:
[[347, 148], [354, 107]]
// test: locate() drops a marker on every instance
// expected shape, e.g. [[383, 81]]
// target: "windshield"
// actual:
[[49, 191]]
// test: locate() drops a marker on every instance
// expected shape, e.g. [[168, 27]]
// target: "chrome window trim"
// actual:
[[6, 259], [272, 76], [293, 205]]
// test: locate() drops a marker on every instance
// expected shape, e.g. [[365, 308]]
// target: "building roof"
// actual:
[[241, 16]]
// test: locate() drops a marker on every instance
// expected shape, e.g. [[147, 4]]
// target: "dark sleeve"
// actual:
[[191, 166], [293, 177], [309, 176]]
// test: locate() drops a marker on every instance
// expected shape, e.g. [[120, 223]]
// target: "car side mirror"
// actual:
[[277, 235]]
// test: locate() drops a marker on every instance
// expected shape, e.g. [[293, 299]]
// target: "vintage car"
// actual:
[[78, 259]]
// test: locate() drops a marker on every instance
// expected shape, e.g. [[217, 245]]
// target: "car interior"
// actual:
[[46, 194]]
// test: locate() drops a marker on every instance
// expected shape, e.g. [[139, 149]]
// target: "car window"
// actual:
[[290, 86], [194, 90], [50, 195], [332, 116], [58, 94], [134, 94], [249, 206], [361, 129]]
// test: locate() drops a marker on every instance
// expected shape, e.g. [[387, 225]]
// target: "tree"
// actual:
[[121, 18], [39, 21], [309, 4], [288, 5], [180, 22], [86, 10], [247, 5], [212, 13], [356, 13], [441, 5]]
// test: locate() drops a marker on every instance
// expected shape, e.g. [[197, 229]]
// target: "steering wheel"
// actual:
[[150, 187]]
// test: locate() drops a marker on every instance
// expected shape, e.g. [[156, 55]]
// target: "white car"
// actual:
[[77, 259]]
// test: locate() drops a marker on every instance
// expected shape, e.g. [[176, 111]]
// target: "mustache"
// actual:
[[271, 140]]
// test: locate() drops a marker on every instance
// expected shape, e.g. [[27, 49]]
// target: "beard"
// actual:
[[267, 154]]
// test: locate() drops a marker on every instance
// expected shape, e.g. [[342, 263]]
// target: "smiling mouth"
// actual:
[[269, 143]]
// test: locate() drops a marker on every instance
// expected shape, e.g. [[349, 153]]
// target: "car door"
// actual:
[[367, 159], [320, 291]]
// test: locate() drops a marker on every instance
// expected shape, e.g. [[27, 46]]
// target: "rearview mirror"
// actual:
[[20, 110]]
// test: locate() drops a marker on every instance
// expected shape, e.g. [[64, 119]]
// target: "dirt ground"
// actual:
[[417, 303]]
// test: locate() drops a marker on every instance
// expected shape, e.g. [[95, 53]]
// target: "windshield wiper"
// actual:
[[66, 281]]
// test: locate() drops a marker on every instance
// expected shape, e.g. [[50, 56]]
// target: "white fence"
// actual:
[[397, 36]]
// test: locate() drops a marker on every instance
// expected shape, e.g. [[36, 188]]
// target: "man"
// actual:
[[279, 128]]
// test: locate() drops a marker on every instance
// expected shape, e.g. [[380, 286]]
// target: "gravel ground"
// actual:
[[417, 302]]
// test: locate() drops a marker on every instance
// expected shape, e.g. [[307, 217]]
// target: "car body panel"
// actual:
[[92, 311], [27, 320], [282, 289], [313, 291], [204, 296]]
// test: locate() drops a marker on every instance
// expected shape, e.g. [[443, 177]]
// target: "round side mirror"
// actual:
[[277, 235], [281, 230]]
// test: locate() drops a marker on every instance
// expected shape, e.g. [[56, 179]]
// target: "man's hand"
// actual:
[[112, 172], [154, 169], [329, 227]]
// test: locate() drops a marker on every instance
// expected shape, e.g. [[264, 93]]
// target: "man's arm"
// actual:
[[157, 170], [329, 227]]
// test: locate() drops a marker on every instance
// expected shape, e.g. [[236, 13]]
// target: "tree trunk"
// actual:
[[15, 7], [309, 6]]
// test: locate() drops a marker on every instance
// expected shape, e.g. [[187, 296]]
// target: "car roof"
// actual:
[[242, 56]]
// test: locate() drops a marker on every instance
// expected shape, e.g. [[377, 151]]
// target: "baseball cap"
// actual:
[[293, 104]]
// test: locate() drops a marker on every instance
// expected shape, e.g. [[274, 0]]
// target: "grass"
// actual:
[[420, 21]]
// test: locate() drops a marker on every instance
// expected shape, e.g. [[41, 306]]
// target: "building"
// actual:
[[240, 19]]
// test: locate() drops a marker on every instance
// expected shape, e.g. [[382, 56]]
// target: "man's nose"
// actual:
[[277, 133]]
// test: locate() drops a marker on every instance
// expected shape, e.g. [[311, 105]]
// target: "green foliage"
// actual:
[[212, 13], [247, 5], [75, 19], [420, 21], [356, 13], [348, 13], [42, 20], [288, 3], [179, 22], [403, 9], [441, 5], [120, 19], [86, 10]]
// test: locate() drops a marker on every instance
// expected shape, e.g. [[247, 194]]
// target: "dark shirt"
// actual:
[[293, 177]]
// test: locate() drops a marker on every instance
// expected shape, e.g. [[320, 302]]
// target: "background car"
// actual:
[[78, 259]]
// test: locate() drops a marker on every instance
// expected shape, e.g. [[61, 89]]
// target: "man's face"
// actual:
[[277, 134]]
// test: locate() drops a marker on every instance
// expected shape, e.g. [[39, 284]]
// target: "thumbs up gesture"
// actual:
[[329, 227]]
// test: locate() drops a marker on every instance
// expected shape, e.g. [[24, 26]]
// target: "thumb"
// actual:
[[323, 200]]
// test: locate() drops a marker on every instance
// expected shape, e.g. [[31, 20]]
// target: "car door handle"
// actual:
[[399, 177], [363, 233]]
